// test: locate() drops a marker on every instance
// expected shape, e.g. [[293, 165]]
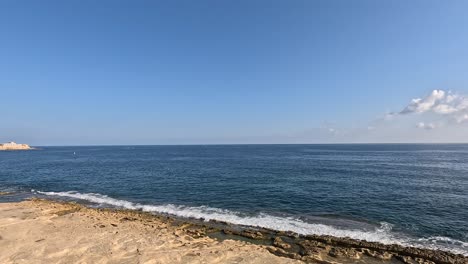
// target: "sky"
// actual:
[[227, 72]]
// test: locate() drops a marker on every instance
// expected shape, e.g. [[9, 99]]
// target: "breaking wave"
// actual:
[[382, 234]]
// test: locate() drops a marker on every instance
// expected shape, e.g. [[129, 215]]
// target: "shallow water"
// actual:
[[407, 194]]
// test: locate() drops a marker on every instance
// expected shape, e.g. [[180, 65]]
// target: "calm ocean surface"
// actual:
[[407, 194]]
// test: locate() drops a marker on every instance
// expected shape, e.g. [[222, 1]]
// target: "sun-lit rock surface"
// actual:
[[14, 146]]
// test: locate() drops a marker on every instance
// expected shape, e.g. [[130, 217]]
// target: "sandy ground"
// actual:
[[44, 232]]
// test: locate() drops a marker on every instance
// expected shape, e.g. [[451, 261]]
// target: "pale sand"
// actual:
[[46, 232]]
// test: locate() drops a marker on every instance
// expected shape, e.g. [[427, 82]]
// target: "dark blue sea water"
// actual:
[[407, 194]]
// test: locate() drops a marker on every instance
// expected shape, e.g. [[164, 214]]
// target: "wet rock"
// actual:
[[407, 260], [423, 261], [295, 256], [281, 233], [252, 234], [384, 256], [350, 253], [283, 253], [272, 249], [228, 232], [436, 256], [311, 248], [278, 242], [334, 252], [376, 254]]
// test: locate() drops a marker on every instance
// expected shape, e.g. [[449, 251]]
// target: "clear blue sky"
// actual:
[[178, 72]]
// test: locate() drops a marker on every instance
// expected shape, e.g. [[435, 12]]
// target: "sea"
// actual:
[[408, 194]]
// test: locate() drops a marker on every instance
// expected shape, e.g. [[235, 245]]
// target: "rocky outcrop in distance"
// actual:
[[14, 146]]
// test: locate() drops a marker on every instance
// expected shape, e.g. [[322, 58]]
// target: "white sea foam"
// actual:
[[444, 243], [382, 234]]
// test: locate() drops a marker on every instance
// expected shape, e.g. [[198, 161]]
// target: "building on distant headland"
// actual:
[[13, 146]]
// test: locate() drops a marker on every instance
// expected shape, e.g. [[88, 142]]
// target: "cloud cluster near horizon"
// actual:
[[427, 126], [440, 116], [453, 107]]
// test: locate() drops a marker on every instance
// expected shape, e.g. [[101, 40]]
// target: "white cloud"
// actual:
[[462, 118], [419, 105], [444, 109], [423, 125], [390, 116], [442, 103]]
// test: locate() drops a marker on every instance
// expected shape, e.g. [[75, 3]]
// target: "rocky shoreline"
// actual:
[[329, 249], [310, 249]]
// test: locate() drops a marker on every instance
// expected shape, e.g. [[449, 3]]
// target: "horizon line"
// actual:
[[244, 144]]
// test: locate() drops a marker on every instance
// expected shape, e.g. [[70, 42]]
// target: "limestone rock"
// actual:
[[278, 242], [14, 146]]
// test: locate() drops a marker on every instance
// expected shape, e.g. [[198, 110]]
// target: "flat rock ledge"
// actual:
[[329, 249]]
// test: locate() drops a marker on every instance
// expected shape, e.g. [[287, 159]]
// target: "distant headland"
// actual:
[[14, 146]]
